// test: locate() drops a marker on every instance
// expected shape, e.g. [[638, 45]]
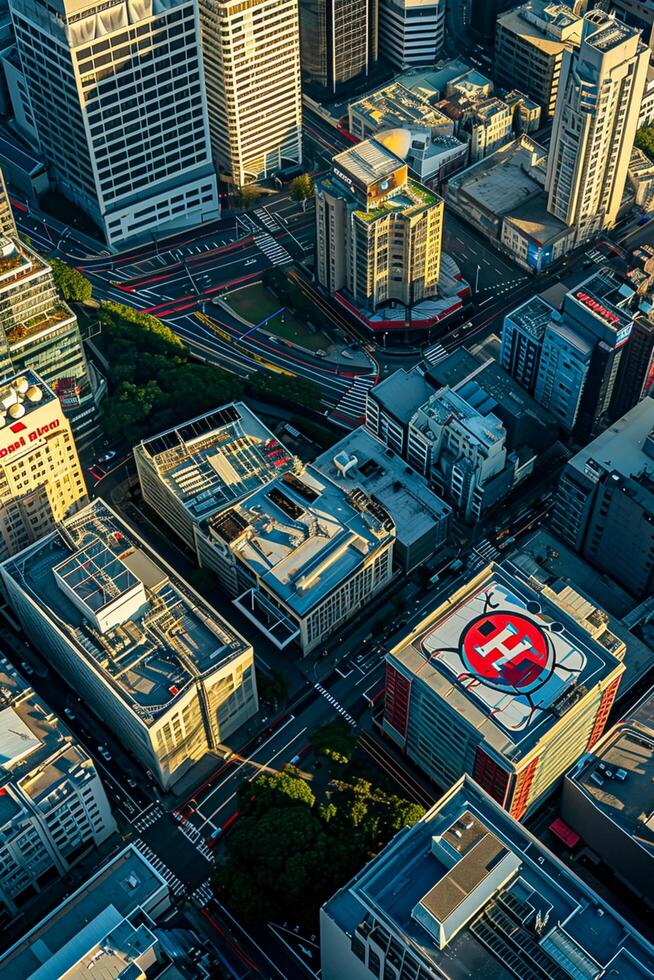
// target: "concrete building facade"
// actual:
[[166, 674], [339, 43], [461, 690], [53, 806], [595, 122], [38, 331], [411, 32], [118, 101], [529, 44], [252, 66], [379, 232], [468, 891], [41, 479]]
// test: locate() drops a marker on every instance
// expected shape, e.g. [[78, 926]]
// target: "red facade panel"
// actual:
[[520, 794], [603, 712], [491, 776], [396, 703]]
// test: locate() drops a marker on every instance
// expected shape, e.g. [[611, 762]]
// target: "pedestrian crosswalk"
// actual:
[[503, 286], [272, 249], [435, 354], [202, 894], [352, 405], [147, 818], [196, 838], [266, 219], [334, 703], [595, 255], [175, 885], [483, 554]]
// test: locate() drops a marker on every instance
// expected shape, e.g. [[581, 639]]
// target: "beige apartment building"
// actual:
[[252, 63], [41, 479], [379, 232], [595, 123]]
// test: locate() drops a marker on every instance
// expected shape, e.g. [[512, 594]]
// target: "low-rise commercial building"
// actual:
[[421, 519], [499, 682], [41, 479], [529, 45], [108, 926], [166, 674], [379, 232], [468, 891], [607, 799], [53, 806], [196, 470], [604, 505], [301, 556]]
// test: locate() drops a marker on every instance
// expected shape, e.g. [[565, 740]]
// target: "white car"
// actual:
[[70, 714], [107, 456]]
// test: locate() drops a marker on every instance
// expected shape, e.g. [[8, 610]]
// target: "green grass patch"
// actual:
[[255, 303]]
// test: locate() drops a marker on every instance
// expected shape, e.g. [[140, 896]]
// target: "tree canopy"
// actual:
[[645, 141], [72, 285], [302, 188], [288, 853], [336, 741]]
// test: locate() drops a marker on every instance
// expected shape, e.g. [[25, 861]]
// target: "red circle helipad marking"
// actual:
[[507, 651]]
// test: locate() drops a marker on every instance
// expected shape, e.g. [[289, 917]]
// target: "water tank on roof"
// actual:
[[15, 411], [34, 394]]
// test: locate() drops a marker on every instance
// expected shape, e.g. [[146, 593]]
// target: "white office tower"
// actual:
[[252, 61], [411, 32], [595, 122], [117, 95]]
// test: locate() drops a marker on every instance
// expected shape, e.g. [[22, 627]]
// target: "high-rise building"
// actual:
[[411, 32], [469, 892], [118, 99], [338, 43], [7, 223], [252, 64], [636, 376], [39, 331], [53, 806], [529, 44], [166, 673], [568, 352], [41, 479], [595, 122], [500, 683], [379, 232], [604, 505]]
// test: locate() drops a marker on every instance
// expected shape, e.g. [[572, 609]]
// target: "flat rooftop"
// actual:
[[549, 27], [402, 393], [430, 84], [91, 930], [533, 219], [361, 460], [217, 459], [626, 446], [542, 920], [302, 536], [470, 406], [21, 395], [367, 161], [532, 316], [37, 752], [505, 179], [619, 775], [123, 609], [548, 662], [396, 105]]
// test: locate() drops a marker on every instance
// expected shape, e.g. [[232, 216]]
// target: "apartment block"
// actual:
[[169, 677], [53, 806], [530, 41], [468, 891], [108, 925], [595, 121], [500, 683], [118, 100], [252, 60], [379, 232], [39, 332], [604, 505], [301, 556], [41, 479]]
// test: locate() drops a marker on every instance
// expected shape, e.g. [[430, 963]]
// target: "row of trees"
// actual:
[[645, 141], [288, 853]]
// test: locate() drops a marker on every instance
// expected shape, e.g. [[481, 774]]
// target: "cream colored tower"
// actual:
[[41, 479], [595, 122], [251, 54]]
